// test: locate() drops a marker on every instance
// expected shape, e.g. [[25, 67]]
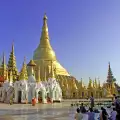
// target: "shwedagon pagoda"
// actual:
[[44, 77]]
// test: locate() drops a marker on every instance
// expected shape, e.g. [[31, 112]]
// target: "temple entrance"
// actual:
[[19, 96], [40, 96]]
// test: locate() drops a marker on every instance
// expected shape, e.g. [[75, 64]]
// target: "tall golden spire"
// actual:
[[44, 50], [4, 62], [96, 85], [12, 64], [93, 84], [81, 83], [99, 86], [4, 67], [23, 73], [90, 83], [110, 77], [44, 40]]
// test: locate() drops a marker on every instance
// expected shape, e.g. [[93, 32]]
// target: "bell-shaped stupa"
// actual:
[[44, 56]]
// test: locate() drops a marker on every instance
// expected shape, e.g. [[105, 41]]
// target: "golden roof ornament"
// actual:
[[96, 85], [90, 83], [23, 73], [12, 64], [31, 63]]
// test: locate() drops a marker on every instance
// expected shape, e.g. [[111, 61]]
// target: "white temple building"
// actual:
[[27, 88]]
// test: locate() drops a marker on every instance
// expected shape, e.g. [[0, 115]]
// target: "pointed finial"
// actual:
[[23, 73], [109, 64], [45, 17], [24, 59], [3, 58], [13, 46]]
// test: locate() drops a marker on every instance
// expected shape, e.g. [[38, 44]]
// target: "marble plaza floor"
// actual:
[[56, 111]]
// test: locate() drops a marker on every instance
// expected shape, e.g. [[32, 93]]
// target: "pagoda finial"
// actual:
[[99, 86], [3, 61], [45, 17], [109, 65], [110, 75], [24, 60], [96, 85], [23, 73], [90, 83], [12, 64], [44, 40]]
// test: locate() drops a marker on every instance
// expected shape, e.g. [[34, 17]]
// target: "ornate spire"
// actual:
[[93, 84], [99, 86], [96, 85], [23, 73], [90, 83], [110, 75], [3, 62], [44, 50], [81, 83], [13, 47], [44, 40], [12, 65], [4, 67]]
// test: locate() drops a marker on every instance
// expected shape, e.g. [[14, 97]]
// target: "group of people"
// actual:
[[80, 111], [115, 114]]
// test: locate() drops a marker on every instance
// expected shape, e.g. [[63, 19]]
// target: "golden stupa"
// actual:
[[44, 56]]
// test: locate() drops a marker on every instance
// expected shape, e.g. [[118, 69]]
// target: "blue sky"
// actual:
[[85, 34]]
